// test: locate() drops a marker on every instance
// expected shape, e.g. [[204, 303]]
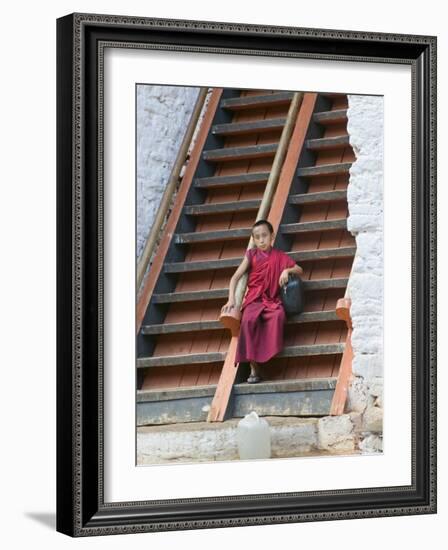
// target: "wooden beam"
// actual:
[[345, 368], [292, 158], [226, 380], [157, 265]]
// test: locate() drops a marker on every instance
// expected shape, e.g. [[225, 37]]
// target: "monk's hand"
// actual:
[[227, 307], [284, 277]]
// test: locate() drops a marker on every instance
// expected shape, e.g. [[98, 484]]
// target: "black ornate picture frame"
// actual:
[[81, 509]]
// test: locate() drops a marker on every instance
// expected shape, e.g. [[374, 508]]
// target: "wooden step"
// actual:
[[314, 349], [210, 236], [226, 263], [207, 358], [216, 182], [306, 397], [176, 360], [190, 296], [321, 196], [257, 101], [221, 293], [226, 234], [326, 118], [196, 326], [323, 144], [325, 284], [243, 128], [174, 328], [322, 254], [325, 170], [324, 225], [222, 207], [240, 153]]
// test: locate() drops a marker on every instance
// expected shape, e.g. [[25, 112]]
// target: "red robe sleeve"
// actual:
[[287, 261]]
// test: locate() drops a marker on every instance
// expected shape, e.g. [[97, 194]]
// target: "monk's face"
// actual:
[[263, 238]]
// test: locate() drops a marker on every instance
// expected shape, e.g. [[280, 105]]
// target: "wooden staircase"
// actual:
[[181, 346]]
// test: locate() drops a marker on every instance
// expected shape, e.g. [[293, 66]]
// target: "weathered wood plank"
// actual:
[[201, 358], [214, 182], [317, 349], [226, 263], [194, 326], [301, 403], [174, 328], [240, 153], [322, 196], [325, 170], [322, 144], [330, 117], [172, 411], [323, 225], [323, 284], [175, 393], [216, 294], [241, 128], [222, 207], [323, 254], [255, 102], [283, 386], [173, 360], [190, 296], [305, 397], [209, 236]]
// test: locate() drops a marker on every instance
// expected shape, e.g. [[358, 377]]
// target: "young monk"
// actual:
[[263, 315]]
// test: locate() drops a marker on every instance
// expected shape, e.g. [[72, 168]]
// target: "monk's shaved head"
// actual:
[[263, 222]]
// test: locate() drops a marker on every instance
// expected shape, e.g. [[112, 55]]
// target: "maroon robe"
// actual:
[[263, 315]]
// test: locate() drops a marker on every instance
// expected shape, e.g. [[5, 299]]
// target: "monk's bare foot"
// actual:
[[254, 374]]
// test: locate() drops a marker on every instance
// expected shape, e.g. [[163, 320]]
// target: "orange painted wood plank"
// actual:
[[292, 157], [345, 372], [225, 384]]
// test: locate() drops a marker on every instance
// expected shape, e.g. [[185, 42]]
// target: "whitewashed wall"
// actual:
[[163, 113], [365, 222]]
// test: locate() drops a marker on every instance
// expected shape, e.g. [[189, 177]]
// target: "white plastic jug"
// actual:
[[253, 437]]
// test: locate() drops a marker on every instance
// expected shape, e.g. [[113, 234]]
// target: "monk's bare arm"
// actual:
[[242, 268], [296, 269], [285, 274]]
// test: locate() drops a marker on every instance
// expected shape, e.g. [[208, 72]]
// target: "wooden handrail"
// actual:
[[170, 188]]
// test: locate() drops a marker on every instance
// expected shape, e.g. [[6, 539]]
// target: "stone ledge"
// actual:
[[210, 442]]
